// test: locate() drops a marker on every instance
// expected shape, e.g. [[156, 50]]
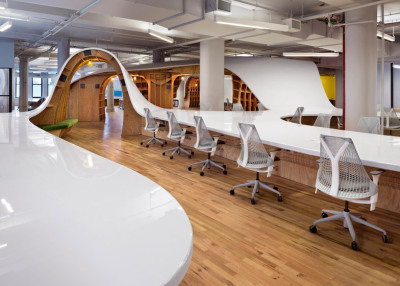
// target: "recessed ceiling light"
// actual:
[[7, 25]]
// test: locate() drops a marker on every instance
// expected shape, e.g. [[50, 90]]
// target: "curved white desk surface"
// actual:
[[281, 85], [70, 217]]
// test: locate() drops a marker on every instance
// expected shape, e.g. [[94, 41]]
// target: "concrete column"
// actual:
[[361, 66], [63, 46], [23, 83], [110, 96], [212, 75], [158, 56], [180, 93]]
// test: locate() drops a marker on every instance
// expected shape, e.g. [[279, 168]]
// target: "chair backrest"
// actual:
[[369, 125], [150, 121], [175, 129], [204, 138], [391, 115], [237, 107], [297, 115], [252, 153], [323, 120], [341, 173], [260, 106]]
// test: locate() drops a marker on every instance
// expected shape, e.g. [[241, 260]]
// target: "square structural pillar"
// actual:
[[212, 74], [361, 66]]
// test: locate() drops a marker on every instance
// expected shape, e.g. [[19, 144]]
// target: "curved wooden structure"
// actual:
[[56, 110]]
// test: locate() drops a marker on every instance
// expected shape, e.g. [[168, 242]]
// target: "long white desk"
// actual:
[[70, 217]]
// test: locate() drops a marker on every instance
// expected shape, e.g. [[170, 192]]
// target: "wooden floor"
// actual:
[[237, 243]]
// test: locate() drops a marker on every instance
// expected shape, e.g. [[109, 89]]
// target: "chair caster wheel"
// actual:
[[165, 142], [232, 192], [225, 172], [162, 145], [190, 168], [171, 157], [163, 153], [279, 198], [249, 187], [224, 166], [275, 188], [385, 238], [354, 245], [192, 153], [141, 143], [201, 173], [253, 201], [190, 156], [324, 215], [313, 228], [147, 146]]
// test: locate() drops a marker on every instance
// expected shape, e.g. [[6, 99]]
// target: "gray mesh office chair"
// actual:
[[237, 107], [178, 134], [391, 119], [152, 126], [205, 142], [297, 115], [342, 175], [369, 125], [323, 120], [253, 156]]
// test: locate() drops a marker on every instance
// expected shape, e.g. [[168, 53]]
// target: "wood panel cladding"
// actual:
[[193, 92], [242, 94], [160, 89], [86, 101], [142, 85]]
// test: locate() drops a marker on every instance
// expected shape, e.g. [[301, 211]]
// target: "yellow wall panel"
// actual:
[[329, 83]]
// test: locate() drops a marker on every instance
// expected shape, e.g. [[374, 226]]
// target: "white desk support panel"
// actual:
[[70, 217]]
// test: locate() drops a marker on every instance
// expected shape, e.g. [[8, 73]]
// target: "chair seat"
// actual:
[[349, 187], [256, 160]]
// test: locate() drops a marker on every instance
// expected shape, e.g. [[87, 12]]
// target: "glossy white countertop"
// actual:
[[70, 217]]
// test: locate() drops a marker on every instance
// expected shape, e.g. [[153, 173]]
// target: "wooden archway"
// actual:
[[56, 110]]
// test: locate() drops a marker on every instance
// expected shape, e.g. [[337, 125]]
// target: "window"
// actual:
[[36, 87], [17, 87], [50, 85]]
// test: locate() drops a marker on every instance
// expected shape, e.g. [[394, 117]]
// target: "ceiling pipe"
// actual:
[[173, 16], [61, 25], [345, 10]]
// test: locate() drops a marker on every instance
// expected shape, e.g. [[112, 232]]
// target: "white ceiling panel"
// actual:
[[271, 39]]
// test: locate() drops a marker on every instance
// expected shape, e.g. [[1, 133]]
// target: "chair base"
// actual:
[[257, 184], [179, 150], [207, 164], [153, 140], [348, 219]]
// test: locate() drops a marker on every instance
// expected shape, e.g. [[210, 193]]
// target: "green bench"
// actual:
[[60, 129]]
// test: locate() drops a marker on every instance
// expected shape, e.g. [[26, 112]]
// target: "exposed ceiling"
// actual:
[[122, 26]]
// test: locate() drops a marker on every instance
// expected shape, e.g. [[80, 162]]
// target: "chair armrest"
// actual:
[[376, 172], [375, 175]]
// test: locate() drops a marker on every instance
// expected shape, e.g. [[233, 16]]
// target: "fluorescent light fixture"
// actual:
[[244, 55], [161, 37], [3, 6], [3, 245], [250, 24], [321, 55], [396, 66], [7, 25], [385, 36], [7, 205]]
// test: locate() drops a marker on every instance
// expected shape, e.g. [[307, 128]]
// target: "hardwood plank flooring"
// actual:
[[237, 243]]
